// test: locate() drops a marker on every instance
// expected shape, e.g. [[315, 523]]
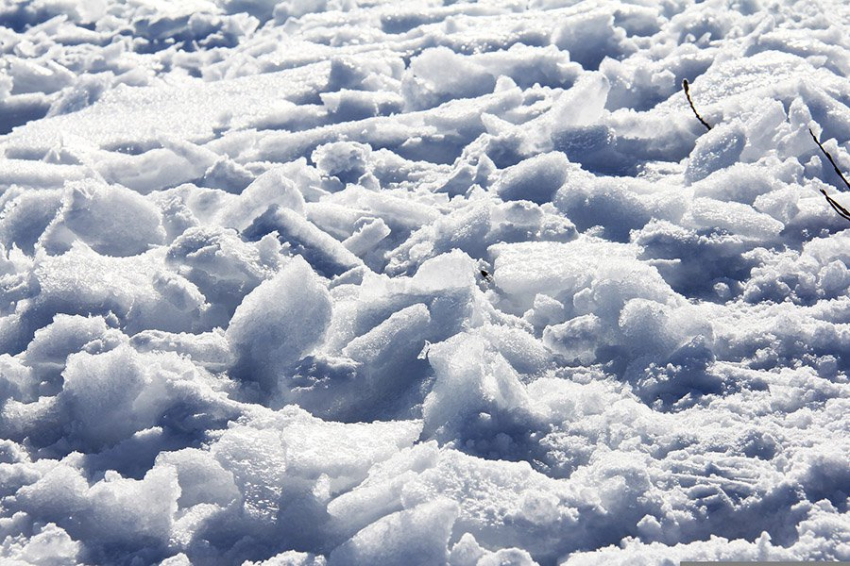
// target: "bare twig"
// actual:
[[686, 86], [831, 160], [840, 210]]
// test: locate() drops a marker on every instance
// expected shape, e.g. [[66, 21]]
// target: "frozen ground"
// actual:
[[363, 282]]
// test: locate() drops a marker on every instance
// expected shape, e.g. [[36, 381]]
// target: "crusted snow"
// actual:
[[342, 282]]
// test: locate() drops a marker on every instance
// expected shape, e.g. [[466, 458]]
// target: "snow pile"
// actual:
[[343, 282]]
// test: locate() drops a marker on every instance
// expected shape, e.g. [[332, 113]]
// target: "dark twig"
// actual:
[[840, 210], [687, 87], [831, 160]]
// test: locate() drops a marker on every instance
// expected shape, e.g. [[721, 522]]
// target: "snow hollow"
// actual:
[[361, 282]]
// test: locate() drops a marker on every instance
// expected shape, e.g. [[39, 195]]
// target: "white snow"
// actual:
[[311, 282]]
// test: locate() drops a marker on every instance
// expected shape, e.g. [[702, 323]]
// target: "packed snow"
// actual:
[[363, 282]]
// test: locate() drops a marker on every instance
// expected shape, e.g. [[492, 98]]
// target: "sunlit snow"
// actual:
[[363, 282]]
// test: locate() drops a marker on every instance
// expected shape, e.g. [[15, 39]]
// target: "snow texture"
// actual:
[[340, 282]]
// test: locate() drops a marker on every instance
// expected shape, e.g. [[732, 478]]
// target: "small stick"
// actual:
[[831, 160], [840, 210], [687, 88]]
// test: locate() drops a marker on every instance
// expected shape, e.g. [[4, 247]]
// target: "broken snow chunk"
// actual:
[[279, 322], [439, 74], [368, 234], [418, 535], [202, 479], [447, 271], [132, 513], [325, 253], [272, 188], [717, 149], [590, 37], [109, 397], [111, 219], [25, 217], [227, 175], [536, 179], [737, 218], [472, 379], [345, 160], [575, 339], [208, 349]]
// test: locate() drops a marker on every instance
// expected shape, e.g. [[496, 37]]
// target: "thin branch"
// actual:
[[842, 212], [831, 160], [687, 87]]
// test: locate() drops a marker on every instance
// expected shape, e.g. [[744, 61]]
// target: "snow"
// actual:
[[274, 314], [315, 282]]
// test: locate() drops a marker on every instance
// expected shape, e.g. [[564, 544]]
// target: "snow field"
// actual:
[[359, 282]]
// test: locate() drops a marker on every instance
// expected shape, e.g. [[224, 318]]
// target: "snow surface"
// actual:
[[346, 282]]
